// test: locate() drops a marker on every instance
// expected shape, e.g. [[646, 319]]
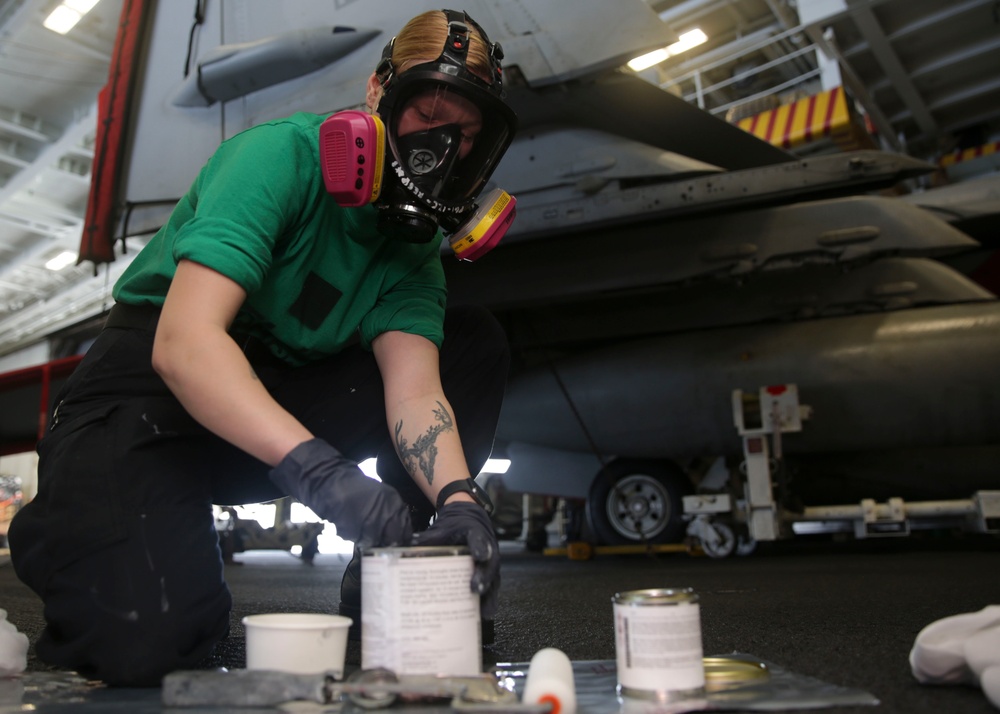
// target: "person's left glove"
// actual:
[[462, 523], [365, 511]]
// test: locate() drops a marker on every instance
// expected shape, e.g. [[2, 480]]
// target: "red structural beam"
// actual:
[[39, 375]]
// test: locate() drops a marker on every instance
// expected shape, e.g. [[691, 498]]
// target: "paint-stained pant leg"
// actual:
[[120, 542], [141, 607]]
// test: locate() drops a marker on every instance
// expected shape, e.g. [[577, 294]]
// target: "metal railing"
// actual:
[[702, 93]]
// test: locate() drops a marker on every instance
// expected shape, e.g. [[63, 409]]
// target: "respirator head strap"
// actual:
[[385, 69], [458, 40], [455, 52]]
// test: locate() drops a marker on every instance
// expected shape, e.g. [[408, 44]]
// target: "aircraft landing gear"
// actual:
[[638, 502], [718, 539], [760, 505]]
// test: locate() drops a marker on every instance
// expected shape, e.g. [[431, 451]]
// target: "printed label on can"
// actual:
[[418, 613], [658, 647]]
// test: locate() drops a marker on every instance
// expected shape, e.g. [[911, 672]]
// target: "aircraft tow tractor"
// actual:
[[724, 523]]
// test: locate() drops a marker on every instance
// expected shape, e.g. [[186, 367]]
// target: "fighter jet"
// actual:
[[661, 258]]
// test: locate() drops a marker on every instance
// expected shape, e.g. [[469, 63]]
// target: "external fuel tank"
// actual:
[[924, 377]]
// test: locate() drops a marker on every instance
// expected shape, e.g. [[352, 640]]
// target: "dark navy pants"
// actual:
[[120, 542]]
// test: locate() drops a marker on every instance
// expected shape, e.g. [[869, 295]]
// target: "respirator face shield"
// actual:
[[446, 142], [424, 157], [444, 137]]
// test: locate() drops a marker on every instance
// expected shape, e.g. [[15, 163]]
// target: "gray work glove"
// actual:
[[462, 523], [364, 510]]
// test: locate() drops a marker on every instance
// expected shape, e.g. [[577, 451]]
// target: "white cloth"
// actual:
[[961, 649], [13, 648], [990, 682]]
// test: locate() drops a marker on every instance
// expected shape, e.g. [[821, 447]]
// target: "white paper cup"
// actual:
[[302, 643]]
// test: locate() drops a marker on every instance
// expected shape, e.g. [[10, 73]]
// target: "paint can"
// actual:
[[658, 644], [418, 612]]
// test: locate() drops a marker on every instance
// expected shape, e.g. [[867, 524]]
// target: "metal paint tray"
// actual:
[[596, 680]]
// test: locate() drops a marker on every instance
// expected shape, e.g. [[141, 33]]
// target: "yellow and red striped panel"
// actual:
[[826, 114], [969, 154]]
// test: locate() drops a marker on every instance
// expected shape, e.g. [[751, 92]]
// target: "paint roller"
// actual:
[[550, 681]]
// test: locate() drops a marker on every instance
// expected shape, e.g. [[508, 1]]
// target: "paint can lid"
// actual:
[[656, 596], [722, 672], [420, 551]]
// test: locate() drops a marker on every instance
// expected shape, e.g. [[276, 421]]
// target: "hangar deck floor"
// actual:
[[846, 613]]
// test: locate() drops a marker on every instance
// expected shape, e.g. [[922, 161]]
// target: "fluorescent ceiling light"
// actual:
[[62, 19], [648, 60], [65, 258], [690, 39], [81, 6]]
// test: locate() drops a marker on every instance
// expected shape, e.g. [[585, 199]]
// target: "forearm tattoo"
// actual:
[[421, 456]]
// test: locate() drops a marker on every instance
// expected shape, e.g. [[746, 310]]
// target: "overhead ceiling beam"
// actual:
[[42, 228], [719, 56], [926, 22], [893, 68], [11, 160], [967, 93], [32, 253], [45, 209], [13, 15], [929, 21], [86, 299], [986, 51], [688, 11], [816, 16], [21, 130], [50, 155], [970, 120], [18, 287]]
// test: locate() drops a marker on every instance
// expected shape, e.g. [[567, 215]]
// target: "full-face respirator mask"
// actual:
[[424, 157]]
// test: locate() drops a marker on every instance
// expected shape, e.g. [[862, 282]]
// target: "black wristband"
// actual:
[[469, 486]]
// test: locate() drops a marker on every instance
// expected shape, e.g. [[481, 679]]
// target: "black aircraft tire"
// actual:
[[635, 502]]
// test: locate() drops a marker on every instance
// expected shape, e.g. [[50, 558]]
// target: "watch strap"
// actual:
[[469, 486]]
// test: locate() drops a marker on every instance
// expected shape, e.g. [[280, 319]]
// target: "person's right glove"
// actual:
[[462, 523], [364, 510]]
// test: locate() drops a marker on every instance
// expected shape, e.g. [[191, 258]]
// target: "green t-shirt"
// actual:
[[317, 276]]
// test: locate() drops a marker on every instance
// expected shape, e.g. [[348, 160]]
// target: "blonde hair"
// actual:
[[422, 40]]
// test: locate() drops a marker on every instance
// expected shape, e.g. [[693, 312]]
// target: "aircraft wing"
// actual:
[[250, 61], [625, 105]]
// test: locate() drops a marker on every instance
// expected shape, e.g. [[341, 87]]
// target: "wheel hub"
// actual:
[[640, 509]]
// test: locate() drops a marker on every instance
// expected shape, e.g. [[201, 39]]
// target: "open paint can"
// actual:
[[418, 612], [658, 644]]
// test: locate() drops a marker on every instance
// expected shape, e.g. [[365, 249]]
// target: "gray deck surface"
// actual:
[[845, 613]]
